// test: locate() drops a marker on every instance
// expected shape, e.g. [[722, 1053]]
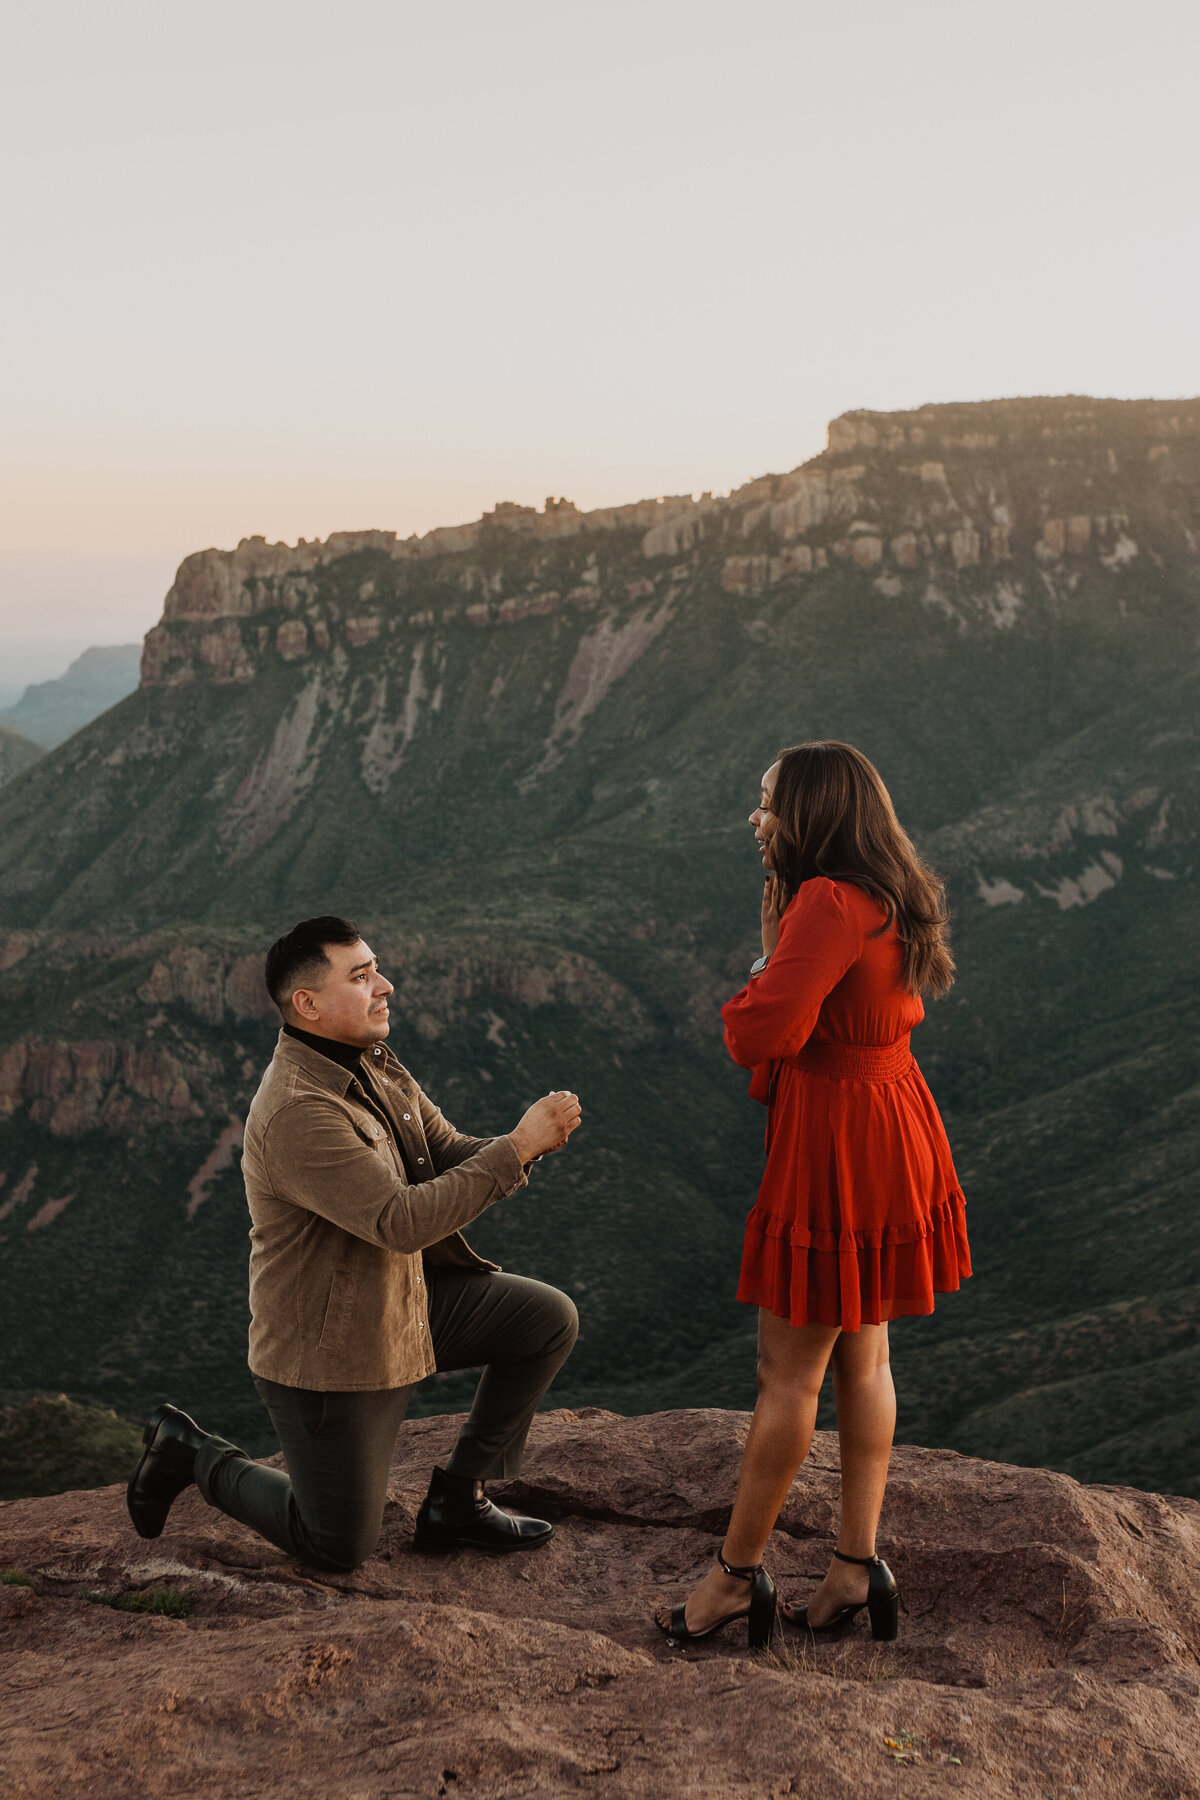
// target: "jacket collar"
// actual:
[[321, 1070], [348, 1055], [330, 1075]]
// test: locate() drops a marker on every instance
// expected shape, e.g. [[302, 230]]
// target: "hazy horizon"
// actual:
[[279, 272]]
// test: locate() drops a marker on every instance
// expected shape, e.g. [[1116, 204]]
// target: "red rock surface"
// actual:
[[1051, 1645]]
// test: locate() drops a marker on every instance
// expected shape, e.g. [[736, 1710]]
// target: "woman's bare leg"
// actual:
[[866, 1415], [792, 1361], [791, 1367]]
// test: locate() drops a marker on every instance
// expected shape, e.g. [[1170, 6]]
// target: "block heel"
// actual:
[[760, 1621], [760, 1618], [882, 1604]]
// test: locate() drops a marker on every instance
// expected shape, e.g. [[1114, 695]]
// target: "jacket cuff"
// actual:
[[504, 1165]]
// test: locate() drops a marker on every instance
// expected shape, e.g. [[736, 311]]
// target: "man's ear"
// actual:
[[304, 1006]]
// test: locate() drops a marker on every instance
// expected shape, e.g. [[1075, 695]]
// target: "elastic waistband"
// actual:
[[854, 1062]]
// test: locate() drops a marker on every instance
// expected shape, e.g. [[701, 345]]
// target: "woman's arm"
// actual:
[[774, 1014]]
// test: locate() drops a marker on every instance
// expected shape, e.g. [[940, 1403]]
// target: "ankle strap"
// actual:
[[739, 1574], [864, 1562]]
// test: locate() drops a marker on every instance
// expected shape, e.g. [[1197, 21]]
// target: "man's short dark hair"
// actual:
[[298, 958]]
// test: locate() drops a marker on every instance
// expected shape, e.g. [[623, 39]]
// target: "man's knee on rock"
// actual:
[[565, 1322], [342, 1552]]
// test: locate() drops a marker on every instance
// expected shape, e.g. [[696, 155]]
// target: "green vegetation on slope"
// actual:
[[48, 1446], [17, 754]]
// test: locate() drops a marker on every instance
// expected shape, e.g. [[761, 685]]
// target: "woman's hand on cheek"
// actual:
[[774, 901]]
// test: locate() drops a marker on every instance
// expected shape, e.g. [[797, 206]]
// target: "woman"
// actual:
[[859, 1217]]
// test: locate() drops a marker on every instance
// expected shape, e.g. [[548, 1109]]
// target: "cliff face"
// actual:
[[1019, 488], [1048, 1646], [1023, 569], [75, 1086], [522, 752]]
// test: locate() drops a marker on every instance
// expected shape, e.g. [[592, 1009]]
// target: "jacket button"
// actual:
[[420, 1159], [407, 1117]]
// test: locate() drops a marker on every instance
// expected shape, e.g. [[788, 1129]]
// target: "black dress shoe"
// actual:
[[167, 1466], [457, 1514]]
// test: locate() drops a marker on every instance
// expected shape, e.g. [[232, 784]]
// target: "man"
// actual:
[[361, 1284]]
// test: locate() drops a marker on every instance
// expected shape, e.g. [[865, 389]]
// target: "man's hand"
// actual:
[[547, 1125], [774, 901]]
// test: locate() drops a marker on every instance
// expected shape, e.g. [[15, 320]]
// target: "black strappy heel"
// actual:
[[882, 1604], [760, 1620]]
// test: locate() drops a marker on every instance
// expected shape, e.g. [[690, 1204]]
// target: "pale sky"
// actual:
[[283, 267]]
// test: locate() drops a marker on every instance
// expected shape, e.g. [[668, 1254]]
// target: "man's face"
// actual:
[[351, 1002]]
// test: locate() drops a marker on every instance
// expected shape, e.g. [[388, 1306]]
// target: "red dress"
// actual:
[[860, 1217]]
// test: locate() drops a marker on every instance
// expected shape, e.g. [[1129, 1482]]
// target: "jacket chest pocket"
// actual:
[[370, 1130], [384, 1145]]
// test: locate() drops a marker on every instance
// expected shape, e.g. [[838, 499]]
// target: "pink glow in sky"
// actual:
[[293, 268]]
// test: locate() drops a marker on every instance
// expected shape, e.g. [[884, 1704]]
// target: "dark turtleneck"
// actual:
[[348, 1055]]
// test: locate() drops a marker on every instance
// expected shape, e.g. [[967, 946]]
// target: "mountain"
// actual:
[[521, 751], [49, 711], [17, 754], [1048, 1645]]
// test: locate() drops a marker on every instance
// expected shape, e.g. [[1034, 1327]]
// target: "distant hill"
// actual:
[[50, 711], [522, 750], [48, 1445], [17, 754]]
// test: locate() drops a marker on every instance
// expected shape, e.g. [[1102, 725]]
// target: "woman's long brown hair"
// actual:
[[835, 818]]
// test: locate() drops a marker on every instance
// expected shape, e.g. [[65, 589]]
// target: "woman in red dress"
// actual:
[[859, 1218]]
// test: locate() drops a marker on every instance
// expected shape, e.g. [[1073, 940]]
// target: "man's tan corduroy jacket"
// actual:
[[345, 1210]]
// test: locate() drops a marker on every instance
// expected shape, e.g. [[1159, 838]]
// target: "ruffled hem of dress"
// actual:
[[859, 1278], [767, 1224]]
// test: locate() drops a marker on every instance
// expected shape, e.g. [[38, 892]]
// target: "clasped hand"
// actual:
[[547, 1125], [774, 903]]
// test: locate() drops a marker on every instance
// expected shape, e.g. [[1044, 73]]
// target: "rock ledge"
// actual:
[[1051, 1644]]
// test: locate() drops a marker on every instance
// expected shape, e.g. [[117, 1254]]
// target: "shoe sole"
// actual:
[[443, 1546]]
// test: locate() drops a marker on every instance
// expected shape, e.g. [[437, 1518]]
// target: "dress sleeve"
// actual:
[[820, 937]]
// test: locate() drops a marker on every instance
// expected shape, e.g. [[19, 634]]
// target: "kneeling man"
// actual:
[[361, 1284]]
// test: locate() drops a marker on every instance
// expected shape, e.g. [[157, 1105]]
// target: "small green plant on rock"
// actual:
[[168, 1603]]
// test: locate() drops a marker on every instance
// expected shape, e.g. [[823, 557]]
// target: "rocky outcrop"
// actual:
[[436, 985], [162, 1072], [1052, 485], [1049, 1646], [603, 655], [72, 1087], [1076, 849], [210, 983]]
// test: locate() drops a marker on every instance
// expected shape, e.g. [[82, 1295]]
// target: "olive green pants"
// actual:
[[328, 1509]]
